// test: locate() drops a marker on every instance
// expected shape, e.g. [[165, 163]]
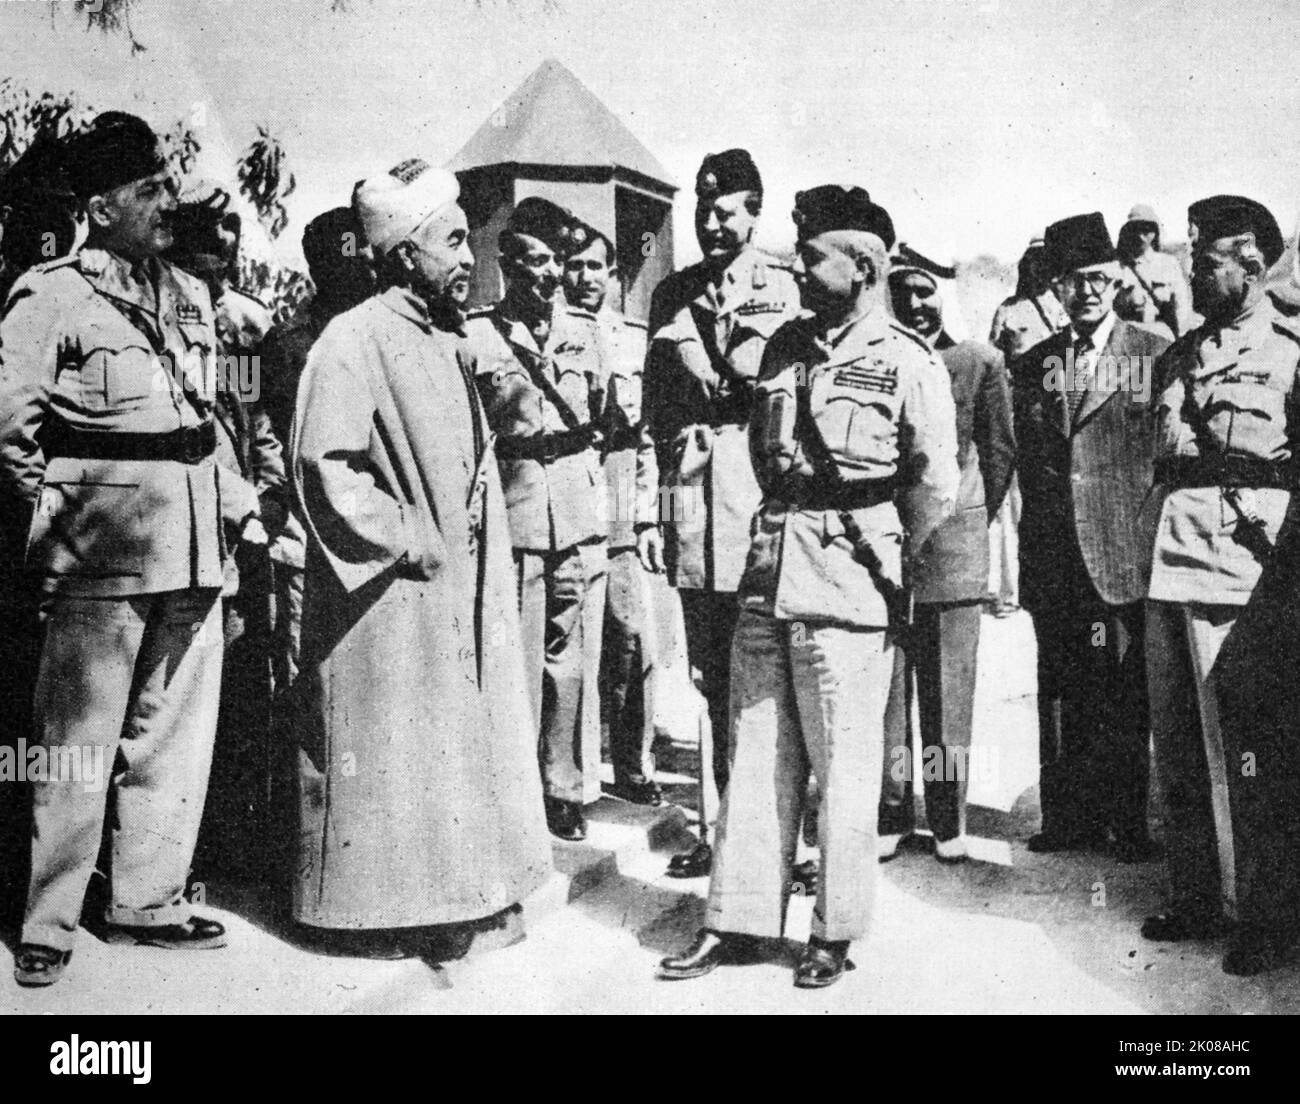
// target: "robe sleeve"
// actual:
[[359, 523]]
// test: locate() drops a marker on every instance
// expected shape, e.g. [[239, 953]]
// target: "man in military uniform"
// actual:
[[627, 661], [950, 580], [1083, 453], [542, 379], [237, 835], [1153, 289], [851, 409], [1228, 429], [709, 325], [106, 438]]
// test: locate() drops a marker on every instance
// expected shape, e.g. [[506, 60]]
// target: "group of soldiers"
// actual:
[[393, 586]]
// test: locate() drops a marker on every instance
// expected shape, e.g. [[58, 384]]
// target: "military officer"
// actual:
[[709, 325], [851, 408], [1228, 431], [106, 438], [627, 658], [542, 379]]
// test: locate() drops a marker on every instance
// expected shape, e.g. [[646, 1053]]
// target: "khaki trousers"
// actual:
[[1183, 642], [561, 607], [133, 684], [628, 668], [804, 696]]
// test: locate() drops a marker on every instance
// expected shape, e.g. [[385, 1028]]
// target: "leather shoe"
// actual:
[[36, 965], [696, 863], [196, 934], [1252, 952], [710, 950], [823, 963], [566, 820], [1174, 927], [644, 792]]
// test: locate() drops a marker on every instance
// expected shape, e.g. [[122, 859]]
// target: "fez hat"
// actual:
[[115, 150], [541, 219], [730, 171], [1226, 216], [830, 207], [392, 205], [1079, 241]]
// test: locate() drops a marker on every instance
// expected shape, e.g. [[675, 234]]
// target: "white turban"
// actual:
[[393, 204]]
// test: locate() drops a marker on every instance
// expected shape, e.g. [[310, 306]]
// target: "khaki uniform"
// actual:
[[1151, 279], [812, 657], [627, 659], [706, 344], [1228, 416], [549, 461], [129, 551]]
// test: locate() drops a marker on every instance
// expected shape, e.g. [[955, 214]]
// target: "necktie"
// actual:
[[1082, 377]]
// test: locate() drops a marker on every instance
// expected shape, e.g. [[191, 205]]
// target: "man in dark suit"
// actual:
[[949, 577], [1084, 454]]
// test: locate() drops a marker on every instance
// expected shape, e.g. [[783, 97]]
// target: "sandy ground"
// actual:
[[1007, 932]]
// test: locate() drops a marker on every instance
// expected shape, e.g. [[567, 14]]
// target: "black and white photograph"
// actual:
[[563, 507]]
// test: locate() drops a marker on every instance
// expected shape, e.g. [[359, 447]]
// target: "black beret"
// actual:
[[830, 207], [730, 171], [1226, 216], [541, 219], [581, 234], [1079, 241], [117, 149]]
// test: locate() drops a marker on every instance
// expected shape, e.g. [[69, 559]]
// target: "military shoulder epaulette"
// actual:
[[245, 295], [57, 263], [912, 335]]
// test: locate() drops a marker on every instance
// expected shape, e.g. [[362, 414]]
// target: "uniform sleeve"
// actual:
[[29, 342], [361, 527], [995, 440], [928, 449], [266, 457]]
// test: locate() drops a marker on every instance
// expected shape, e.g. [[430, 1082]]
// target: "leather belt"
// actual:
[[731, 408], [846, 496], [1220, 470], [187, 445], [547, 446]]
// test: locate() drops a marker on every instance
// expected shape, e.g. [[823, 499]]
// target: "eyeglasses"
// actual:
[[1095, 282]]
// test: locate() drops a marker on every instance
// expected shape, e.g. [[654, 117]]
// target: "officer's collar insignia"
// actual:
[[760, 276], [188, 312]]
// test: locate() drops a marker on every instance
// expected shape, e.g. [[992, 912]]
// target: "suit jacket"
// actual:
[[953, 565], [1086, 485]]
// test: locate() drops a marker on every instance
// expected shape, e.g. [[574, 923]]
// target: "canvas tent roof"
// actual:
[[554, 119]]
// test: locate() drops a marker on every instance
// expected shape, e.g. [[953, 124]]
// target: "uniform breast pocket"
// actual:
[[1247, 417], [860, 429], [199, 368], [116, 375], [571, 382]]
